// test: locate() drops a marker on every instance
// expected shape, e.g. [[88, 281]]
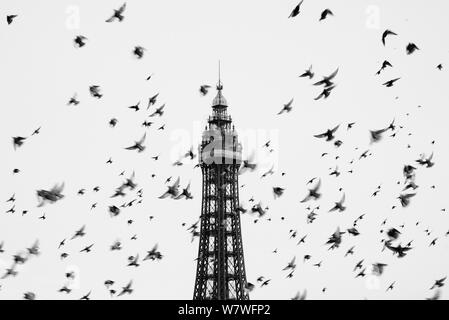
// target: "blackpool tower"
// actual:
[[220, 271]]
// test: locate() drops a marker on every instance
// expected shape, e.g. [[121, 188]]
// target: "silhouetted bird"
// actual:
[[172, 191], [53, 195], [138, 52], [411, 47], [385, 64], [329, 134], [287, 107], [438, 283], [152, 100], [313, 193], [138, 145], [80, 41], [325, 13], [296, 10], [204, 89], [327, 80], [308, 73], [159, 111], [10, 18], [18, 142], [95, 91], [390, 83], [126, 289], [386, 34], [135, 107], [118, 14]]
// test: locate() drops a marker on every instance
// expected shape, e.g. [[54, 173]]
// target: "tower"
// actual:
[[220, 271]]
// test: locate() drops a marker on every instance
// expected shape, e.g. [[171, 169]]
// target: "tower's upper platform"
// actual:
[[220, 141], [219, 117]]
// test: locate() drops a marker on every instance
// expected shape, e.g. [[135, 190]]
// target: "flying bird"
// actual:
[[399, 250], [248, 164], [18, 142], [37, 131], [159, 111], [308, 73], [118, 14], [327, 80], [278, 191], [385, 64], [152, 100], [172, 191], [329, 134], [405, 199], [95, 91], [138, 52], [126, 289], [325, 93], [335, 239], [325, 13], [73, 101], [296, 10], [135, 107], [313, 193], [376, 135], [411, 47], [87, 249], [153, 254], [79, 233], [291, 265], [438, 283], [390, 83], [386, 34], [79, 41], [287, 107], [113, 122], [138, 145], [339, 205], [426, 161], [185, 193], [204, 89], [51, 196], [10, 18]]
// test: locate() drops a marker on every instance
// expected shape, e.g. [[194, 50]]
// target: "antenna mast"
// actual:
[[219, 87]]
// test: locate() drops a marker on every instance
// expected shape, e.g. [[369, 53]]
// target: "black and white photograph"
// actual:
[[196, 150]]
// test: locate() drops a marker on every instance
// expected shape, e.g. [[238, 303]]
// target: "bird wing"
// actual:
[[289, 103], [342, 199], [332, 75], [176, 184], [321, 95], [142, 140], [131, 147], [165, 195], [122, 8], [335, 129], [318, 83], [321, 135]]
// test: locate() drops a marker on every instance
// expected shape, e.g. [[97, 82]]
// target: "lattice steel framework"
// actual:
[[220, 271]]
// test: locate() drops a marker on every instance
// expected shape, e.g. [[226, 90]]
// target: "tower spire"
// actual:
[[219, 86]]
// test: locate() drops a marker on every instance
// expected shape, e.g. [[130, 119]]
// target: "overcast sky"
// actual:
[[262, 53]]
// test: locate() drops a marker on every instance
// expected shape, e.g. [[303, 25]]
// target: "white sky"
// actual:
[[262, 53]]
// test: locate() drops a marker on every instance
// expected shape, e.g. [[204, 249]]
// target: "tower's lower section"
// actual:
[[220, 268]]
